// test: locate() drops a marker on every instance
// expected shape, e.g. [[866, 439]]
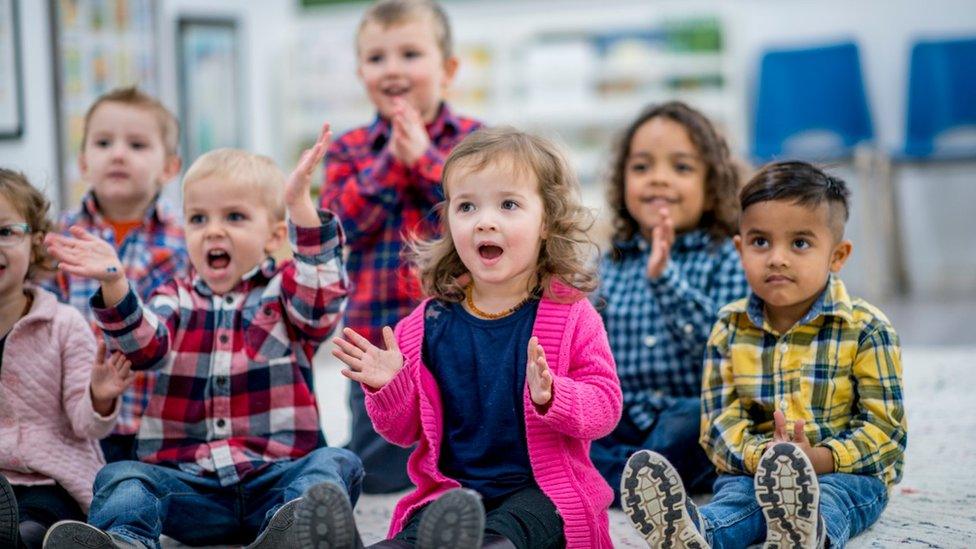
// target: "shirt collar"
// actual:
[[159, 211], [259, 275], [833, 301], [378, 133]]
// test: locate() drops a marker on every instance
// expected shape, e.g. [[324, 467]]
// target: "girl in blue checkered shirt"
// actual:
[[671, 266]]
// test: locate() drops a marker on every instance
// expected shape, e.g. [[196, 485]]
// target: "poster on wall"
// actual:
[[99, 45], [209, 84], [11, 90]]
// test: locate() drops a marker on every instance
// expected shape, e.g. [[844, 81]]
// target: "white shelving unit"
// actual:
[[580, 77]]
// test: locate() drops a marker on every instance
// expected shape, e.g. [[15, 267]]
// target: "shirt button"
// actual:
[[223, 338], [783, 348], [221, 423], [650, 341], [229, 299], [689, 329], [267, 311], [222, 380]]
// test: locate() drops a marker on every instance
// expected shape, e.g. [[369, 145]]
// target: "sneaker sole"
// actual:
[[654, 498], [789, 495], [455, 521], [71, 534], [278, 532], [9, 522], [325, 520]]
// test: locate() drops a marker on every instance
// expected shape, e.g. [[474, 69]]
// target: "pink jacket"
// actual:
[[586, 405], [48, 429]]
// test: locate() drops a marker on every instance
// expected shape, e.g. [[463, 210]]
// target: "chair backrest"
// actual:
[[811, 92], [941, 93]]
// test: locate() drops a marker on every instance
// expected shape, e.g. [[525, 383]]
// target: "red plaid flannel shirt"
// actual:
[[234, 390], [381, 202]]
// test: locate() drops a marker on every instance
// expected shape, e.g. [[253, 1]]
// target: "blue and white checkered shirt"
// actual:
[[658, 328]]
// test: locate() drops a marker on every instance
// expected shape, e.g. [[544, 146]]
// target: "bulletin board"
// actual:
[[99, 45]]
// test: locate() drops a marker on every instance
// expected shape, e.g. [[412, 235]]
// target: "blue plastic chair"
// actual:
[[805, 90], [941, 95]]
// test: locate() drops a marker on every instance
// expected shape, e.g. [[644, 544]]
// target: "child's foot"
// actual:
[[8, 514], [325, 519], [456, 520], [279, 531], [789, 495], [653, 497], [71, 534]]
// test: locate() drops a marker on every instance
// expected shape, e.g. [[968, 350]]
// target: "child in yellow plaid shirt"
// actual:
[[802, 400]]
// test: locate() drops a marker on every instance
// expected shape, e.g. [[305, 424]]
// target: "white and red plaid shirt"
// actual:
[[234, 391]]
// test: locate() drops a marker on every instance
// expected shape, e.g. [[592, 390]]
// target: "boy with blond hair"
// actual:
[[802, 399], [230, 440], [383, 180], [128, 152]]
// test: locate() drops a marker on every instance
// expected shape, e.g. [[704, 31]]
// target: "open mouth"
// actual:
[[489, 251], [662, 200], [218, 259], [395, 91]]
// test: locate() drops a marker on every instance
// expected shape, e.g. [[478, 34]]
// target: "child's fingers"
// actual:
[[81, 233], [390, 339], [325, 136], [352, 362], [349, 348], [356, 339], [798, 434], [533, 350], [100, 351], [355, 376]]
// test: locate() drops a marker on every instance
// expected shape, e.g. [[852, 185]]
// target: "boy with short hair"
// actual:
[[383, 181], [231, 439], [802, 398], [129, 150]]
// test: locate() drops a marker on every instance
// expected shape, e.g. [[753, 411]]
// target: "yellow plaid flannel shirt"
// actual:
[[838, 369]]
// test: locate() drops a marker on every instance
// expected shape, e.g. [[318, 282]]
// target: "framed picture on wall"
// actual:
[[98, 46], [209, 85], [11, 84]]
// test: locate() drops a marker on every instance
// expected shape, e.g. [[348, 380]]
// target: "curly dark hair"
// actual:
[[721, 179], [33, 206]]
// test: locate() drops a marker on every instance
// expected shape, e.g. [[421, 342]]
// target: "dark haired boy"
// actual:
[[802, 399]]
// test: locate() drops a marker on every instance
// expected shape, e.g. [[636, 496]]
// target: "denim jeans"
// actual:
[[140, 501], [674, 435], [849, 504]]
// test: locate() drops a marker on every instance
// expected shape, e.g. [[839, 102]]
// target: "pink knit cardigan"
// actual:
[[48, 429], [586, 405]]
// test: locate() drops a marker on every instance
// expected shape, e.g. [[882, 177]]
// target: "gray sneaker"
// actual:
[[325, 519], [456, 520], [653, 497], [279, 531], [789, 495], [9, 521], [71, 534]]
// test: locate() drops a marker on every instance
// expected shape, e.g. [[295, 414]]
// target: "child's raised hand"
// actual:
[[109, 378], [537, 374], [409, 140], [83, 254], [662, 239], [367, 363], [298, 197]]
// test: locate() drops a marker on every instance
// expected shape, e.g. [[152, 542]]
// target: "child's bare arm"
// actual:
[[85, 255]]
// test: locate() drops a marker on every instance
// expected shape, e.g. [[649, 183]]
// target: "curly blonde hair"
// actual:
[[566, 252]]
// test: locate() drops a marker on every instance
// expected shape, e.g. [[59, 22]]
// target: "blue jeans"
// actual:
[[849, 504], [140, 501], [674, 435]]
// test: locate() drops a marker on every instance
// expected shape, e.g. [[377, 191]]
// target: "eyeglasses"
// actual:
[[13, 234]]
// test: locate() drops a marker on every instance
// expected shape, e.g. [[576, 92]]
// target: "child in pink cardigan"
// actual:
[[505, 375], [54, 404]]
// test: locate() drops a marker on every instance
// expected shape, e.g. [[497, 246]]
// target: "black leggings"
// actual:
[[527, 518]]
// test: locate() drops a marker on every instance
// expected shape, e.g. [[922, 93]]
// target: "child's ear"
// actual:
[[737, 240], [279, 233], [450, 70], [171, 168], [840, 254], [82, 164]]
